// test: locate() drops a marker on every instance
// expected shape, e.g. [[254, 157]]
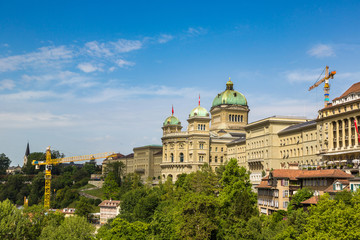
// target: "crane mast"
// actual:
[[49, 162], [325, 79]]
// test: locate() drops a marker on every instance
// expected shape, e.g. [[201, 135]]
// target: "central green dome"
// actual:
[[229, 96], [172, 120], [199, 112]]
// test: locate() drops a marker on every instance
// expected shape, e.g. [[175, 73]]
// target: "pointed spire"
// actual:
[[199, 99], [27, 152], [172, 110]]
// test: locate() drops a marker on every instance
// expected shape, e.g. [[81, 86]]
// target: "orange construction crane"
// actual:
[[49, 162], [325, 79]]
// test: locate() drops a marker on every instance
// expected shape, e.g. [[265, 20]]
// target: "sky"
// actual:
[[101, 76]]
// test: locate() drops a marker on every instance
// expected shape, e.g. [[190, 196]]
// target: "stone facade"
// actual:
[[108, 209], [205, 139]]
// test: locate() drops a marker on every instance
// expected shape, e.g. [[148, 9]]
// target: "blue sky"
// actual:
[[94, 76]]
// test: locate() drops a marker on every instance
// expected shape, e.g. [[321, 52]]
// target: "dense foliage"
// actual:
[[221, 205], [201, 205]]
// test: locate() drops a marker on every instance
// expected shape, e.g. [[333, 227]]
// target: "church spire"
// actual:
[[27, 152]]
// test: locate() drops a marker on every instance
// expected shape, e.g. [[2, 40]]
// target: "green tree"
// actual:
[[122, 229], [204, 181], [344, 196], [83, 207], [71, 228], [300, 196], [236, 197], [117, 168], [110, 186], [331, 219], [237, 200], [4, 163], [13, 225], [198, 218]]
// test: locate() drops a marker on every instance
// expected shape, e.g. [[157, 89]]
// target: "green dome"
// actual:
[[172, 120], [229, 96], [199, 112]]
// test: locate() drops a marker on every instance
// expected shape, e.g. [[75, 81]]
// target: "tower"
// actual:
[[229, 111], [27, 153]]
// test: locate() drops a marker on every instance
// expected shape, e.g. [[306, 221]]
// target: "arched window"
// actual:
[[236, 118], [181, 157], [215, 158], [221, 159], [229, 118], [232, 118], [241, 118], [172, 157]]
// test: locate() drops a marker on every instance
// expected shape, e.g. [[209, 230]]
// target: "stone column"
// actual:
[[343, 133]]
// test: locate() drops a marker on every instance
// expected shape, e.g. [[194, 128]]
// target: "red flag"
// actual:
[[357, 130], [172, 109], [199, 99]]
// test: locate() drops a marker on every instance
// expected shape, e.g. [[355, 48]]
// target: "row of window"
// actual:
[[216, 159], [294, 140], [271, 203], [201, 127], [298, 152], [257, 144], [235, 118], [315, 182]]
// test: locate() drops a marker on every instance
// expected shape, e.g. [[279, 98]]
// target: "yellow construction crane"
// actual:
[[49, 162], [325, 79]]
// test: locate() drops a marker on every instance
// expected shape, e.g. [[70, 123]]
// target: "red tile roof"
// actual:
[[327, 173], [312, 200], [353, 89], [263, 184], [286, 173], [109, 203]]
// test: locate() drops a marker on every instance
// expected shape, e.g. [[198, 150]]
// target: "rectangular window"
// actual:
[[285, 204], [286, 193]]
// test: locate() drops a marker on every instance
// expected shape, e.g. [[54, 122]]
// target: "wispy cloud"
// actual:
[[29, 95], [7, 84], [164, 38], [41, 58], [88, 67], [107, 49], [304, 75], [321, 51], [38, 119], [123, 63], [62, 78], [196, 31]]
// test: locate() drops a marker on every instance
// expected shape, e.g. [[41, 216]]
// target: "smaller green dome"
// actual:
[[199, 112], [172, 120]]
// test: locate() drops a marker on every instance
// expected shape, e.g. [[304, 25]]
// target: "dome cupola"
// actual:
[[229, 96], [172, 120]]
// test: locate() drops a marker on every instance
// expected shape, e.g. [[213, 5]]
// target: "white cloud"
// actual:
[[33, 120], [97, 49], [164, 38], [321, 50], [304, 75], [5, 45], [196, 31], [123, 45], [108, 49], [7, 84], [123, 63], [41, 58], [29, 95], [88, 67], [62, 78]]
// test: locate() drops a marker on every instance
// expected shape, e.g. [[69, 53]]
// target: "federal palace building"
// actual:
[[276, 142]]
